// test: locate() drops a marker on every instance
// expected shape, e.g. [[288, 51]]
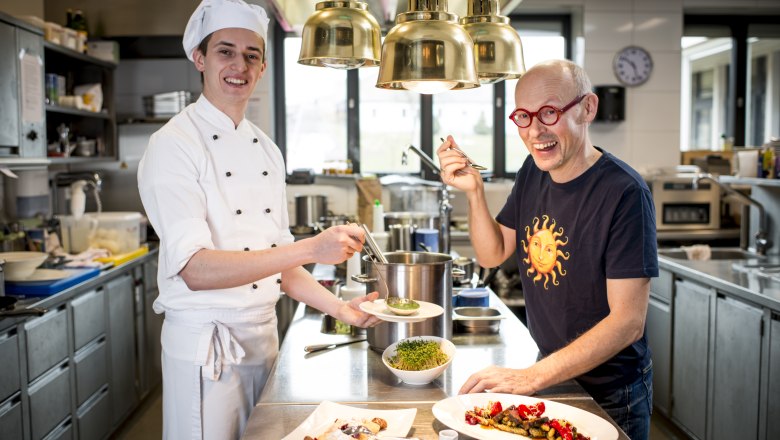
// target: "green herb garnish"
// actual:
[[417, 355]]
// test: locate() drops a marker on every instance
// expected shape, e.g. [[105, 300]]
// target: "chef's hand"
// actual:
[[455, 170], [350, 312], [337, 243], [500, 380]]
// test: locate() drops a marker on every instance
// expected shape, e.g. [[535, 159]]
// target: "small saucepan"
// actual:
[[7, 308], [467, 265]]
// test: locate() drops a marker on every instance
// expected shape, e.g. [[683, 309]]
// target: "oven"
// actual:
[[681, 205]]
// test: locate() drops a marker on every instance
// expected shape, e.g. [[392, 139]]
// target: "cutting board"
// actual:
[[50, 287], [116, 260]]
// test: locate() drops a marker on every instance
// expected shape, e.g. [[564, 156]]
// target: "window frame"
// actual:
[[737, 100], [426, 101]]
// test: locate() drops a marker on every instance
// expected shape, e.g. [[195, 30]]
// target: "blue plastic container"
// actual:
[[477, 297]]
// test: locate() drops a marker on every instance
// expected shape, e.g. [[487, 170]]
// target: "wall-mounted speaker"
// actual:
[[612, 103]]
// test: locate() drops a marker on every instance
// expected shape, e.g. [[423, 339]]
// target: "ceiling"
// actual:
[[292, 14]]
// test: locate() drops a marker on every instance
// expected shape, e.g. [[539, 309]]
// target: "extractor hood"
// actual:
[[292, 14]]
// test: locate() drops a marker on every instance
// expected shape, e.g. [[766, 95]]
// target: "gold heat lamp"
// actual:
[[427, 51], [497, 45], [341, 35]]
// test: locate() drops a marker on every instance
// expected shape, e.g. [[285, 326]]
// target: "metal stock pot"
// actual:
[[422, 276]]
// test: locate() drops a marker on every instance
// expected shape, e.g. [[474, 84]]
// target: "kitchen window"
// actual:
[[335, 117], [730, 81], [316, 113]]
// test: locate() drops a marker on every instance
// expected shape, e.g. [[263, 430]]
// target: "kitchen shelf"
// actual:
[[79, 159], [750, 181], [77, 112], [80, 69], [73, 55]]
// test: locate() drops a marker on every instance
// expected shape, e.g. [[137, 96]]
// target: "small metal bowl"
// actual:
[[402, 306], [332, 326], [479, 320]]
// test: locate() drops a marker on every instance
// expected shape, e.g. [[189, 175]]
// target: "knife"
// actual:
[[320, 347]]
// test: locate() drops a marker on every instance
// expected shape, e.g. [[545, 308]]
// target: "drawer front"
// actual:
[[49, 401], [94, 418], [64, 431], [89, 317], [11, 418], [47, 342], [10, 380], [91, 370]]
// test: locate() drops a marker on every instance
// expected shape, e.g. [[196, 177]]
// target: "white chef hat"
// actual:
[[213, 15]]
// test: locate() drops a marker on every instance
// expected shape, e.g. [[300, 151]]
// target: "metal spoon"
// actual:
[[469, 162]]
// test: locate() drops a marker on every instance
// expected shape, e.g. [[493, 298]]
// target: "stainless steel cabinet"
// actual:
[[22, 119], [121, 324], [47, 341], [152, 373], [692, 304], [89, 318], [50, 400], [11, 421], [10, 380], [659, 336], [773, 395], [94, 417], [9, 91], [91, 370], [736, 370]]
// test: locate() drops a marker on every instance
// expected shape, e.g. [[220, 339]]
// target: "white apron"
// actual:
[[211, 394], [206, 184]]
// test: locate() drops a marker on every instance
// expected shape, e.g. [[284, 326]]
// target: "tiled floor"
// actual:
[[146, 423]]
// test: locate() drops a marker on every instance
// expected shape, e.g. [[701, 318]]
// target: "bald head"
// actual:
[[563, 75]]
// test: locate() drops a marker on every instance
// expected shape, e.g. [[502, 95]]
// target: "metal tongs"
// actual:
[[372, 249]]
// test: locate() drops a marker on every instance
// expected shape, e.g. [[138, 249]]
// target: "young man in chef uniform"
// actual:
[[212, 184]]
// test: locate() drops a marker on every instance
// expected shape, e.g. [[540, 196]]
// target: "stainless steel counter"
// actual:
[[729, 277], [355, 375]]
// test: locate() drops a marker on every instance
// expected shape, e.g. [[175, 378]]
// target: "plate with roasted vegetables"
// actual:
[[333, 421], [495, 416]]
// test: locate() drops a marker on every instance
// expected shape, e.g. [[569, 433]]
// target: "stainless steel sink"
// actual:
[[716, 254]]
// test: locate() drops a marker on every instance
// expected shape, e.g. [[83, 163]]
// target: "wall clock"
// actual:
[[632, 65]]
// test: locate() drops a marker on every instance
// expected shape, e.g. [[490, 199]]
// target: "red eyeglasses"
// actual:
[[547, 114]]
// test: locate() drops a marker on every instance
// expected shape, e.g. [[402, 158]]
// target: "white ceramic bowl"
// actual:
[[424, 376], [20, 265]]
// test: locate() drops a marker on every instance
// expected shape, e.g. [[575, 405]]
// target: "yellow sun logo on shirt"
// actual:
[[543, 252]]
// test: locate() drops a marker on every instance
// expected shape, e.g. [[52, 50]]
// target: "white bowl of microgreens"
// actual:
[[420, 359]]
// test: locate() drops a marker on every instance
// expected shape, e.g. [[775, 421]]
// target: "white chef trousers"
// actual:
[[215, 365]]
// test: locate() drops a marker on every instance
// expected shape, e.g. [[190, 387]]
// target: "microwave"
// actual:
[[681, 205]]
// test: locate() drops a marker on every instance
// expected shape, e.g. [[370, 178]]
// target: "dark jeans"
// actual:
[[630, 406]]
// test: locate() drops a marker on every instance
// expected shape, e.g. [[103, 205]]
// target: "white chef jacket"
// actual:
[[206, 184]]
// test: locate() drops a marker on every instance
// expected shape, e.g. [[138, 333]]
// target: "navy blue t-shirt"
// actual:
[[571, 237]]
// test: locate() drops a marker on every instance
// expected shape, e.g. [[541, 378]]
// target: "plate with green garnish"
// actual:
[[379, 309], [419, 360]]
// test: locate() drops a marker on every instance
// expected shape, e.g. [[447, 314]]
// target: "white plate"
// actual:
[[399, 421], [42, 275], [451, 412], [379, 309]]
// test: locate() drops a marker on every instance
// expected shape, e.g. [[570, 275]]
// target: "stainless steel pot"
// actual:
[[422, 276], [414, 219], [309, 209]]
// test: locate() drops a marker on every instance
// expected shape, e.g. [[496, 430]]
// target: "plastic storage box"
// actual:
[[117, 232]]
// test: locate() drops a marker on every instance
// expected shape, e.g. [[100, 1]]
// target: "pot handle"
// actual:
[[458, 273], [363, 279]]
